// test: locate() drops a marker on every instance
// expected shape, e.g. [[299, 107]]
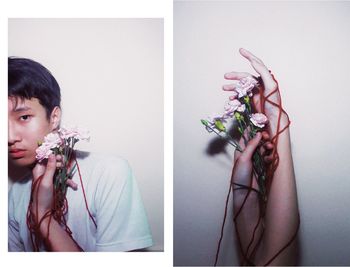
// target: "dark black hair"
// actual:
[[28, 79]]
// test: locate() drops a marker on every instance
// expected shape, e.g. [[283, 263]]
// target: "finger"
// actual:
[[260, 68], [50, 170], [268, 159], [59, 164], [251, 147], [248, 55], [268, 146], [38, 170], [236, 75], [228, 87], [265, 136], [72, 184], [266, 149], [60, 158], [233, 97], [59, 161]]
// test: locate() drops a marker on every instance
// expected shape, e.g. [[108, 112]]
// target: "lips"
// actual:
[[17, 153]]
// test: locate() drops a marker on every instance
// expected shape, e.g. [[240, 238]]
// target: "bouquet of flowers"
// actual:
[[239, 108], [61, 143]]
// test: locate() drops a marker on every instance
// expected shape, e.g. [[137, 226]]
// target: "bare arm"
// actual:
[[54, 236], [58, 239], [281, 218]]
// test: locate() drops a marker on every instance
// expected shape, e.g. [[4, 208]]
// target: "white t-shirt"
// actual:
[[113, 199]]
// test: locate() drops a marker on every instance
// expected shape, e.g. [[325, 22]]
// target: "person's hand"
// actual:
[[43, 175], [243, 167], [268, 86], [42, 194]]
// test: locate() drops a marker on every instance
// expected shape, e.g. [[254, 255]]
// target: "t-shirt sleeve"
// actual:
[[14, 240], [120, 215]]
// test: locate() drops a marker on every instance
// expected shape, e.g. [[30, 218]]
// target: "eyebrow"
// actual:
[[20, 109]]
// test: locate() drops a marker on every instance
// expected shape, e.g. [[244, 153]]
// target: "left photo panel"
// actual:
[[85, 135]]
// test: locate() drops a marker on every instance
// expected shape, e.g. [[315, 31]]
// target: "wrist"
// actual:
[[276, 121], [44, 225]]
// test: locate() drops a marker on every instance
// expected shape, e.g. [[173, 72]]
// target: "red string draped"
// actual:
[[271, 168], [59, 209]]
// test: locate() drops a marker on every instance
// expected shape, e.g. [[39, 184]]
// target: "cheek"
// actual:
[[36, 131]]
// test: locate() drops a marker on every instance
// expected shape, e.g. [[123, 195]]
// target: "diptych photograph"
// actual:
[[175, 133]]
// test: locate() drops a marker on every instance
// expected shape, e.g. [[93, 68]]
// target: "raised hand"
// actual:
[[268, 99]]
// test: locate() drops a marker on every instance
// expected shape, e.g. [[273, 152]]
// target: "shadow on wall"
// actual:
[[218, 144]]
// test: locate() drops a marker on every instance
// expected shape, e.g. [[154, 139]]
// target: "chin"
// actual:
[[23, 162]]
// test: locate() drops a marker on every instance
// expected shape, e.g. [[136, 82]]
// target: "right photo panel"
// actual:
[[261, 154]]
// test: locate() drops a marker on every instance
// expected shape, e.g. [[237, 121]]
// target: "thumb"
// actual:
[[38, 170], [251, 146], [50, 169]]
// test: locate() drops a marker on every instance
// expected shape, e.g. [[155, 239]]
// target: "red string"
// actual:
[[82, 187], [58, 211], [269, 175]]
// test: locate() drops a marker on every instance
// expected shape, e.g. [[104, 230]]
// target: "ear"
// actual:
[[55, 118]]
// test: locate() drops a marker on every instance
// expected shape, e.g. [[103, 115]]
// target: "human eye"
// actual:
[[25, 117]]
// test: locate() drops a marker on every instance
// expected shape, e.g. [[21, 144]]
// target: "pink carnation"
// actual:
[[233, 106], [74, 132], [245, 86], [51, 141], [259, 120], [43, 152], [234, 96]]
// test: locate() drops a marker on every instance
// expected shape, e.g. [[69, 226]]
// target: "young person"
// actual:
[[276, 236], [105, 211]]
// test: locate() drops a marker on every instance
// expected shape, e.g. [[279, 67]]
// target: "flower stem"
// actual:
[[228, 138]]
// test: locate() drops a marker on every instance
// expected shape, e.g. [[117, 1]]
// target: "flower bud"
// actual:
[[205, 123], [220, 126]]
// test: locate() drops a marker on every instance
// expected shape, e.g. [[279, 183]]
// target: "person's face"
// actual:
[[28, 125]]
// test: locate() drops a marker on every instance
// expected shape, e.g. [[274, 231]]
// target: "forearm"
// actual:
[[56, 238], [281, 220], [247, 221]]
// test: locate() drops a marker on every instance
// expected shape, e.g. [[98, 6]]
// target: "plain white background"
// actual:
[[306, 45], [111, 76]]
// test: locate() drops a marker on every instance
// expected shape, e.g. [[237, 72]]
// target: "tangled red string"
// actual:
[[269, 174], [59, 209]]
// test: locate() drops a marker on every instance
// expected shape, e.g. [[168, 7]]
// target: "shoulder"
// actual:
[[18, 197], [94, 160], [104, 167], [21, 187]]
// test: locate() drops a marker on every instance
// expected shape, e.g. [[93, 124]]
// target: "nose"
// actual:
[[13, 134]]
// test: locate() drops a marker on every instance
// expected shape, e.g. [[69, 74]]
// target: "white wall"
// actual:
[[111, 76], [306, 45]]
